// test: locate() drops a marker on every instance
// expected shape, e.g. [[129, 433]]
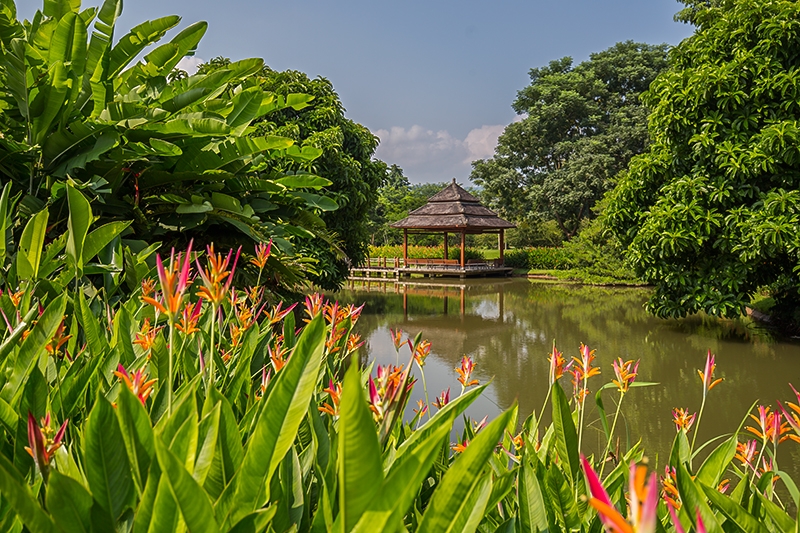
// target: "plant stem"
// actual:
[[610, 436], [699, 416], [210, 365], [544, 406], [582, 407], [425, 388], [170, 374]]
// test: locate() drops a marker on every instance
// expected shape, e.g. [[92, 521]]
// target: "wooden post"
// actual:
[[502, 247], [463, 243], [405, 247], [445, 246]]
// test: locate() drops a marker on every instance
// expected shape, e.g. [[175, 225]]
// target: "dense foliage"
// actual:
[[424, 252], [579, 126], [710, 214], [345, 160], [539, 258], [172, 155]]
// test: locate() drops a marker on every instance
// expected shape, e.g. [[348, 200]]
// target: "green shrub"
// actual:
[[423, 252], [539, 258]]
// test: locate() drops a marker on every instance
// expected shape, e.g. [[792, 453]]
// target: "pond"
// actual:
[[508, 326]]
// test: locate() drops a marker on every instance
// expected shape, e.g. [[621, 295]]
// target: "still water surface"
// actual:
[[508, 326]]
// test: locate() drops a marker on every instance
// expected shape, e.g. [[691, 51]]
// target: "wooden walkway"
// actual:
[[396, 268]]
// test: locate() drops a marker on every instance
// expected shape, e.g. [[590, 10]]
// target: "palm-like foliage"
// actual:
[[172, 154]]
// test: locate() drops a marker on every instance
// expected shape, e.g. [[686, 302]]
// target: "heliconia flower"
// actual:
[[459, 447], [683, 420], [42, 444], [354, 342], [146, 336], [699, 525], [59, 339], [384, 388], [216, 277], [421, 352], [189, 317], [278, 355], [643, 501], [421, 408], [669, 488], [770, 427], [792, 416], [746, 452], [707, 375], [136, 382], [625, 371], [465, 372], [314, 304], [265, 377], [558, 365], [236, 335], [354, 312], [174, 281], [16, 297], [148, 286], [477, 426], [334, 390], [581, 371], [443, 399], [276, 314], [262, 254], [397, 337], [723, 486]]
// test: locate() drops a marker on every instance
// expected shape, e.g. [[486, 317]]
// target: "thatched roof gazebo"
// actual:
[[453, 210]]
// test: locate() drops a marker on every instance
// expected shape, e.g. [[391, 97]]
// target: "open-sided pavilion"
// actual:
[[453, 210]]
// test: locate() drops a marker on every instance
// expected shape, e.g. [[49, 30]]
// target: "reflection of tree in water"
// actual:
[[514, 350]]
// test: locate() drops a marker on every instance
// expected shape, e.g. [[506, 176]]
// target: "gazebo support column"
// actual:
[[463, 242], [445, 246], [405, 248], [502, 247]]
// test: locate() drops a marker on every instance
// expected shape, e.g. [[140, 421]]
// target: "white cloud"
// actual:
[[426, 155], [190, 64]]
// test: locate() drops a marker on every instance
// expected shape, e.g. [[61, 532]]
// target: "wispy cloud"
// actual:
[[427, 156]]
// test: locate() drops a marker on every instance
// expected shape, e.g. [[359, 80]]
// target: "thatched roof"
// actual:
[[453, 208]]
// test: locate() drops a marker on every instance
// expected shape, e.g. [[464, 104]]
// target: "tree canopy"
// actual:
[[711, 212], [579, 126], [346, 150]]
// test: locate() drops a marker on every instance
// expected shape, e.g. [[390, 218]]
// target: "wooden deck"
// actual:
[[394, 268]]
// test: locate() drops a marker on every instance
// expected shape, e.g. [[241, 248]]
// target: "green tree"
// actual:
[[580, 126], [346, 159], [712, 211]]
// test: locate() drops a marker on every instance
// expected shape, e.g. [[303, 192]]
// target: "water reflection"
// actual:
[[508, 326]]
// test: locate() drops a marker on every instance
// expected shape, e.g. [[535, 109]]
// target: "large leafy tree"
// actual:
[[712, 211], [176, 155], [579, 126], [346, 160]]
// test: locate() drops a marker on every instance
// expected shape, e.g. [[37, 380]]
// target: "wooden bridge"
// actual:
[[399, 267]]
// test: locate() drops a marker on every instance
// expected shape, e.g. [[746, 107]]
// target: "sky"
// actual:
[[434, 79]]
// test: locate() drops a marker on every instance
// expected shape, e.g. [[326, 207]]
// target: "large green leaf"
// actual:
[[5, 221], [734, 511], [141, 36], [15, 491], [532, 504], [566, 436], [138, 435], [275, 430], [694, 498], [80, 218], [714, 467], [359, 451], [69, 503], [193, 502], [29, 254], [108, 470], [447, 510]]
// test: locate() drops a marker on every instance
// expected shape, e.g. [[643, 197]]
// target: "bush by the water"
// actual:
[[423, 252], [539, 258]]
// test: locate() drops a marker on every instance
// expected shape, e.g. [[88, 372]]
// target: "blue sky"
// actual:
[[433, 79]]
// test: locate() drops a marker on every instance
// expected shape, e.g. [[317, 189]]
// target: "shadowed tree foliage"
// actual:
[[579, 127], [712, 212], [346, 160]]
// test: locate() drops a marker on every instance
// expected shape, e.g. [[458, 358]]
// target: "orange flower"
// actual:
[[189, 318], [335, 393], [746, 452], [625, 373], [397, 337], [465, 372], [278, 355], [669, 488], [262, 254], [137, 382], [16, 297], [42, 443], [314, 305], [354, 342], [770, 427], [581, 371], [146, 336], [683, 420], [421, 409], [707, 375], [459, 447], [148, 286], [216, 277], [59, 339], [558, 364], [174, 282], [277, 314], [421, 352]]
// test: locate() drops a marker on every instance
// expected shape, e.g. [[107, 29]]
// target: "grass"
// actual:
[[580, 276]]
